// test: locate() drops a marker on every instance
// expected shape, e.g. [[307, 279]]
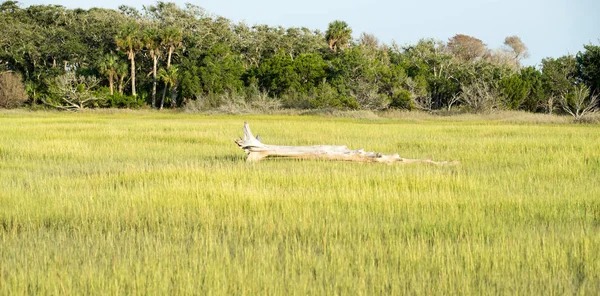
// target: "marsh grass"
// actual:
[[153, 203]]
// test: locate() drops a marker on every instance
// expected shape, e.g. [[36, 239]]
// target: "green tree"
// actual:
[[108, 66], [97, 29], [151, 41], [311, 71], [338, 35], [537, 93], [326, 96], [171, 39], [21, 41], [190, 84], [221, 71], [559, 77], [429, 60], [514, 91], [277, 75], [357, 73], [303, 41], [589, 67], [129, 40], [170, 77], [121, 74]]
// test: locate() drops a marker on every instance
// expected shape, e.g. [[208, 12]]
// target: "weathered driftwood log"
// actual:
[[257, 151]]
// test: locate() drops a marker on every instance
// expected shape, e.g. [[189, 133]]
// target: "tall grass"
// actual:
[[149, 203]]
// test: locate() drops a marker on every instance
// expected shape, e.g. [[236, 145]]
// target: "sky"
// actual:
[[550, 28]]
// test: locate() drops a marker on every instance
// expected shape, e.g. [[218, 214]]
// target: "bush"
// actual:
[[233, 103], [368, 97], [12, 91], [294, 99], [579, 103], [326, 96], [261, 102], [514, 91], [479, 97], [74, 92], [118, 100], [402, 99]]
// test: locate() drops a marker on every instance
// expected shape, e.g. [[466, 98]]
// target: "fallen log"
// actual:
[[256, 151]]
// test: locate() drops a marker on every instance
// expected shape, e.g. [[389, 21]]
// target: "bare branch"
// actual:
[[579, 103]]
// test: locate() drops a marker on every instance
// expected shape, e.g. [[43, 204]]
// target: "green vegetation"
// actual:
[[147, 202], [210, 62], [163, 203]]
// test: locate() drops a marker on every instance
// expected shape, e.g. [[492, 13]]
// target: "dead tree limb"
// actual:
[[256, 151]]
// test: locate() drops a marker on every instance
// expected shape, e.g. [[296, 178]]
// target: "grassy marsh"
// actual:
[[150, 203]]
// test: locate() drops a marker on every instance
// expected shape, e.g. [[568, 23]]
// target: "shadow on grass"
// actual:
[[241, 158], [230, 158]]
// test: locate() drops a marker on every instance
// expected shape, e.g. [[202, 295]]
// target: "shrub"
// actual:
[[514, 91], [74, 92], [326, 96], [118, 100], [261, 102], [12, 91], [402, 99], [294, 99], [368, 97], [579, 102], [479, 97]]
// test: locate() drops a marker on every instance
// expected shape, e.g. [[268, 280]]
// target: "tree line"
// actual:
[[169, 56]]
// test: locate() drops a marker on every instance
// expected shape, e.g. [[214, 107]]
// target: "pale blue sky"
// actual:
[[550, 28]]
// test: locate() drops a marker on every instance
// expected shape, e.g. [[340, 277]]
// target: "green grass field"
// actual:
[[151, 203]]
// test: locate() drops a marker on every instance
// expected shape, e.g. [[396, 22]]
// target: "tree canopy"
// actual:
[[121, 57]]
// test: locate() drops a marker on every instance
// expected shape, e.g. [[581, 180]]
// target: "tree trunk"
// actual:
[[155, 59], [121, 81], [164, 94], [256, 151], [169, 56], [132, 58], [162, 100], [174, 96], [111, 83]]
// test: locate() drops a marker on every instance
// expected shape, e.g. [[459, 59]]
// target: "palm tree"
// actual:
[[108, 66], [128, 40], [152, 44], [338, 35], [171, 38], [121, 73], [170, 77]]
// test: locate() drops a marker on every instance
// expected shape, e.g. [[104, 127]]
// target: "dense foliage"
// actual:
[[168, 56]]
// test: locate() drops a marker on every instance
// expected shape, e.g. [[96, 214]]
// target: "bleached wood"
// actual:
[[256, 151]]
